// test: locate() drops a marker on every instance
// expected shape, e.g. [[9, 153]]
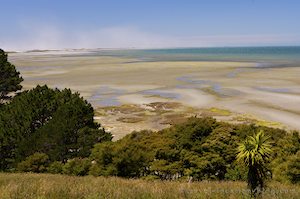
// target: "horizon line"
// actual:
[[136, 48]]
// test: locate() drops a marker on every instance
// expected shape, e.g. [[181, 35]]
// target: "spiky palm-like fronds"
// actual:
[[255, 150], [255, 153]]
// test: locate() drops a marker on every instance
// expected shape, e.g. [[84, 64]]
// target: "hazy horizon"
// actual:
[[148, 25], [133, 48]]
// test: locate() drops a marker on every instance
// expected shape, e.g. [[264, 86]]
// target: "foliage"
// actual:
[[236, 172], [293, 168], [55, 167], [58, 123], [200, 149], [194, 148], [124, 158], [36, 163], [102, 155], [10, 79], [77, 167], [255, 153]]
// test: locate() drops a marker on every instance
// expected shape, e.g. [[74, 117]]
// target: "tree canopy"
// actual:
[[199, 149], [57, 123], [10, 79]]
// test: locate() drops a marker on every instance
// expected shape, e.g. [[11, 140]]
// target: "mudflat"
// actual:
[[133, 94]]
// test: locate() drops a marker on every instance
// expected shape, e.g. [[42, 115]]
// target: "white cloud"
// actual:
[[41, 36]]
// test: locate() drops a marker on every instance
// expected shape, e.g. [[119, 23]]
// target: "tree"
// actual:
[[255, 153], [10, 79], [57, 123], [124, 158]]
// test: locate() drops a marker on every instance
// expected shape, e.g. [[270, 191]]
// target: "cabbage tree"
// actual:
[[255, 153]]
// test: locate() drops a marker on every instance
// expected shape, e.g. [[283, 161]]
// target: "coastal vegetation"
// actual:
[[45, 130]]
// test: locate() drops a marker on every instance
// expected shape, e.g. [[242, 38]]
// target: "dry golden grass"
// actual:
[[61, 186]]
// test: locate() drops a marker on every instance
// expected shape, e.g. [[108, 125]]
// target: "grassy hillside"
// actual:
[[62, 186]]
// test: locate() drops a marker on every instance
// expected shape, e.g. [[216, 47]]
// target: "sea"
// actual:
[[284, 54]]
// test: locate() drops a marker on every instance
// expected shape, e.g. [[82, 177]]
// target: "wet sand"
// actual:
[[247, 90]]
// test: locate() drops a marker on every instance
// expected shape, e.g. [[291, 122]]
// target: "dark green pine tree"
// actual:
[[10, 79], [57, 123]]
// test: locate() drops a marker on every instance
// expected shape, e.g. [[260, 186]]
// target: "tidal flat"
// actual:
[[133, 93]]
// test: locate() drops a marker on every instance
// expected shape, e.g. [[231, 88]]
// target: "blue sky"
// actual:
[[57, 24]]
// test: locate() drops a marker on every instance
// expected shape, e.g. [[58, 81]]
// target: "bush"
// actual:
[[36, 163], [102, 154], [293, 168], [280, 168], [236, 172], [77, 167], [55, 167]]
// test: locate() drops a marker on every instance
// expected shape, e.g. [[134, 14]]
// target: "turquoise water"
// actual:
[[256, 54]]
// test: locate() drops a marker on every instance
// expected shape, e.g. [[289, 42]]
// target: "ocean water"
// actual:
[[290, 54]]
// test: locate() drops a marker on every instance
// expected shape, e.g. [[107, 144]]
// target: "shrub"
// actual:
[[55, 167], [236, 172], [36, 163], [293, 168], [77, 167]]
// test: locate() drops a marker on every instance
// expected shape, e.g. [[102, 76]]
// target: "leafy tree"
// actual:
[[200, 149], [255, 153], [125, 158], [166, 170], [36, 163], [10, 79]]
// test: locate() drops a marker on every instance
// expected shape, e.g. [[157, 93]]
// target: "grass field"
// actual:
[[61, 186]]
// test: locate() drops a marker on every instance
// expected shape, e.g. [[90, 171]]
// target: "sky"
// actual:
[[61, 24]]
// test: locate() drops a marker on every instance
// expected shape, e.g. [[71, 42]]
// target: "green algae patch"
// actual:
[[247, 118], [220, 112], [130, 119]]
